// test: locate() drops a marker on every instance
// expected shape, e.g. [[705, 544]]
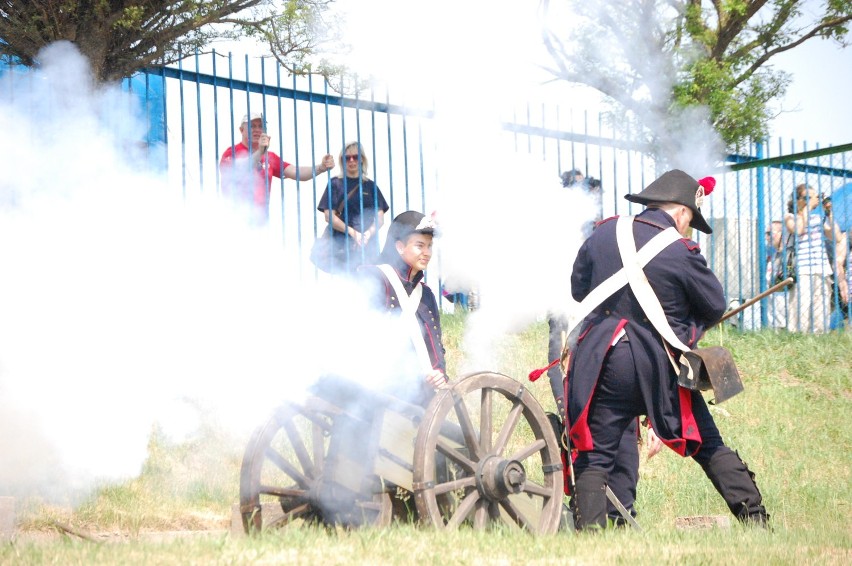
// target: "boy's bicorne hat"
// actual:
[[410, 222], [678, 187]]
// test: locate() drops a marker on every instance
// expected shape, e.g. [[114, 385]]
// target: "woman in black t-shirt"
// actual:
[[355, 209]]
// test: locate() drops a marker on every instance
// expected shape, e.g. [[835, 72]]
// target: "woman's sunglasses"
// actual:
[[351, 157]]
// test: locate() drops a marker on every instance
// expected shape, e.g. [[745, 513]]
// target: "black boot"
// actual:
[[589, 499], [735, 482]]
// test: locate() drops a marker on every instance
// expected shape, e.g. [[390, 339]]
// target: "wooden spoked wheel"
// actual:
[[281, 477], [486, 456]]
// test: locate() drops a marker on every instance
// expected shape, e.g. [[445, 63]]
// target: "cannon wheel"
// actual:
[[486, 456], [282, 470]]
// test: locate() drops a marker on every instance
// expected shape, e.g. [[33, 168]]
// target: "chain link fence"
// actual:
[[779, 216]]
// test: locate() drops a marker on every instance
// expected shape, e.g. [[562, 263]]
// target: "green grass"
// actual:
[[792, 425]]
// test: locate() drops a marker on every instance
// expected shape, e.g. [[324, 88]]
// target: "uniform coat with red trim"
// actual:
[[692, 299]]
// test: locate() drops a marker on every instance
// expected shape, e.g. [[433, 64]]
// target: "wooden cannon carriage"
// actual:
[[482, 453]]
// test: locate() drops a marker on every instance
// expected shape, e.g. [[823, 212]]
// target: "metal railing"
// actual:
[[754, 190], [751, 237], [193, 109]]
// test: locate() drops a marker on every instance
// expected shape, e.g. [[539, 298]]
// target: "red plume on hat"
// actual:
[[709, 183]]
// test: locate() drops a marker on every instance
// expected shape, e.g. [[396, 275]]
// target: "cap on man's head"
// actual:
[[254, 116], [678, 187]]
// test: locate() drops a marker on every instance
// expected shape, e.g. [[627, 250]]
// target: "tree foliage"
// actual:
[[120, 37], [299, 33], [660, 58]]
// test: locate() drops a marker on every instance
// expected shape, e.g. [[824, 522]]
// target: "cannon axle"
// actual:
[[498, 477]]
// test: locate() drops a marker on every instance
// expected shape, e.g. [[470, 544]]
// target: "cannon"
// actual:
[[481, 454]]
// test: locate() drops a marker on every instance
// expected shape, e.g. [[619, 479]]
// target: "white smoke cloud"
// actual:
[[120, 300], [622, 51], [124, 306], [508, 229]]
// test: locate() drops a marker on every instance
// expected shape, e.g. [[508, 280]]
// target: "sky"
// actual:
[[814, 109], [125, 302], [816, 105]]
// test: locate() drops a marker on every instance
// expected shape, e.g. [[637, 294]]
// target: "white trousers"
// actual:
[[809, 305]]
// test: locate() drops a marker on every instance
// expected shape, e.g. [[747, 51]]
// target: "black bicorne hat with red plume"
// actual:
[[678, 187]]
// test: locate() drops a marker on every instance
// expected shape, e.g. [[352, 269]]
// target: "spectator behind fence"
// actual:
[[837, 249], [847, 306], [775, 252], [354, 208], [558, 322], [246, 175], [574, 179], [809, 298]]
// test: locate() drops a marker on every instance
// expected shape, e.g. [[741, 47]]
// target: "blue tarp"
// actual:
[[841, 206]]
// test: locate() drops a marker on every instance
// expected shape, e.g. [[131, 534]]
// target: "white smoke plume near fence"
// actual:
[[125, 307]]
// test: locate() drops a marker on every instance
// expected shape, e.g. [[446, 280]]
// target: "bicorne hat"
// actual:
[[410, 222], [405, 224], [678, 187]]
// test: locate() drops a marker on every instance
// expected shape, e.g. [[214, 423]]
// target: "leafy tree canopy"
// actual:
[[121, 37], [657, 59]]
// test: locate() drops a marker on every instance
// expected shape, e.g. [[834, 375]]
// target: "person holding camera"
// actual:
[[810, 297]]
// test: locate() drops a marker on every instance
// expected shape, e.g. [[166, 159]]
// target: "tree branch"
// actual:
[[815, 32]]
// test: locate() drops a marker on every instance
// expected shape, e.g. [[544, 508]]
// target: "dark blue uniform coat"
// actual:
[[384, 298], [692, 299]]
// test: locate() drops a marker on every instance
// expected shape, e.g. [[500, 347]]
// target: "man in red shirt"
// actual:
[[247, 175]]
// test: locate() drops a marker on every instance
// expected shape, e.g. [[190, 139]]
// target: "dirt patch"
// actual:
[[65, 531], [789, 380], [698, 522]]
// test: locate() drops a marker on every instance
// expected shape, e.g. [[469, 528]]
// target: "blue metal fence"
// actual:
[[202, 109], [194, 109], [308, 118]]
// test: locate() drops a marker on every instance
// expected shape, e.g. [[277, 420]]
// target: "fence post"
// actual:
[[761, 235]]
